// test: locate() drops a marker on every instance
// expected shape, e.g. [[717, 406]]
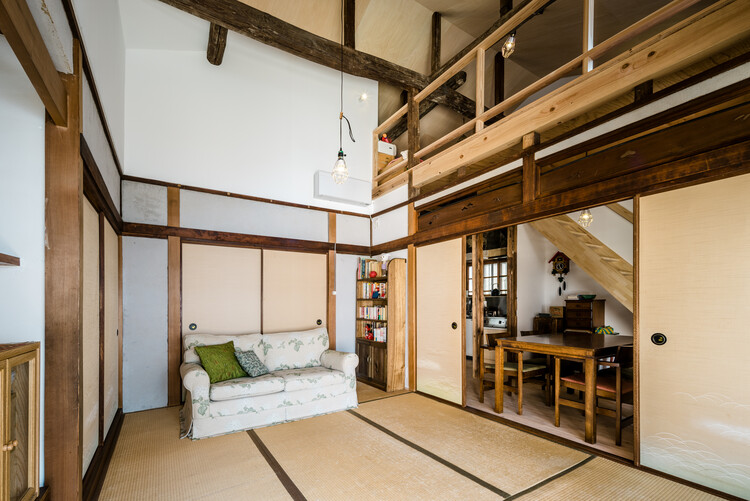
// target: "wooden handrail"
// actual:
[[391, 120], [446, 138], [390, 170]]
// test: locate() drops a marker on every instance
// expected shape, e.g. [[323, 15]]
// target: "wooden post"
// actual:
[[531, 188], [63, 393], [217, 42], [499, 79], [412, 126], [588, 33], [505, 7], [411, 263], [512, 314], [435, 47], [331, 301], [477, 301], [480, 88], [349, 20], [174, 298]]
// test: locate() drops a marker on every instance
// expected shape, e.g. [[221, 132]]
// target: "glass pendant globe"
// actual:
[[340, 173], [509, 46], [586, 218]]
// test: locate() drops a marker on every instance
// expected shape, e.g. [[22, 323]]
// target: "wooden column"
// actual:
[[174, 308], [217, 42], [349, 21], [331, 301], [477, 302], [512, 314], [64, 294], [412, 127], [435, 46], [480, 88], [588, 34], [411, 263], [499, 79], [531, 185]]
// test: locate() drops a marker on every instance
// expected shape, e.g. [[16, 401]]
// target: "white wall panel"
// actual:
[[144, 203], [217, 212], [93, 131], [390, 226], [352, 230], [144, 276], [346, 271]]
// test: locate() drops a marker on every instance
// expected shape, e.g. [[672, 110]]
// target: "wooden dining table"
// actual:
[[583, 346]]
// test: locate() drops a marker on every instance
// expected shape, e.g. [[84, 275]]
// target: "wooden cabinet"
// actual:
[[383, 319], [19, 421], [584, 314]]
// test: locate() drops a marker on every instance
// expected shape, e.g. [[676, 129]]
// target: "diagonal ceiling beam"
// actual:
[[272, 31]]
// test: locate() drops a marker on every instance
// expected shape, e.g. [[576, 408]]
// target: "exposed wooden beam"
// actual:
[[621, 211], [599, 261], [349, 22], [435, 46], [217, 42], [272, 31], [425, 106], [412, 117], [20, 29], [505, 7], [531, 173]]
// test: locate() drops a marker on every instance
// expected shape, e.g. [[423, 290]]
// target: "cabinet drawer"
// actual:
[[579, 323], [578, 314], [578, 305]]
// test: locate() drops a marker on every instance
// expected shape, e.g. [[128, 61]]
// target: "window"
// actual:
[[495, 277]]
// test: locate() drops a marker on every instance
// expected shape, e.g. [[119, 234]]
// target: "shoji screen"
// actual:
[[90, 332], [294, 290], [111, 325], [220, 289]]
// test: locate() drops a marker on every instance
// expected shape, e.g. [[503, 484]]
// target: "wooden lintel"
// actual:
[[20, 29], [217, 42], [258, 25], [435, 46], [349, 22]]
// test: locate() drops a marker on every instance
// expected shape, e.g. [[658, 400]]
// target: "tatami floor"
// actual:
[[392, 447]]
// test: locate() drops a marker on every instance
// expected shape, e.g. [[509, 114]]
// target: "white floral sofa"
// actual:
[[306, 379]]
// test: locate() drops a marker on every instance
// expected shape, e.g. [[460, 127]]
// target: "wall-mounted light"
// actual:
[[363, 97], [509, 46], [586, 218]]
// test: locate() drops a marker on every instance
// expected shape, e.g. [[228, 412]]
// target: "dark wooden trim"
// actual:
[[258, 25], [436, 39], [120, 332], [74, 28], [6, 260], [239, 239], [393, 245], [95, 475], [512, 298], [349, 23], [547, 480], [643, 91], [102, 292], [43, 493], [23, 35], [499, 80], [237, 195], [285, 480], [96, 189], [217, 42], [64, 296]]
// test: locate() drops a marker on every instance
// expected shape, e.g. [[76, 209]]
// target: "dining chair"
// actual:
[[610, 385], [521, 371]]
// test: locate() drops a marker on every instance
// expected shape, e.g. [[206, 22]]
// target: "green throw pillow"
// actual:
[[219, 361], [251, 363]]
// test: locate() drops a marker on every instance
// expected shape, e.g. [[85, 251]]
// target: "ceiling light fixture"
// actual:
[[340, 171], [509, 46], [586, 218]]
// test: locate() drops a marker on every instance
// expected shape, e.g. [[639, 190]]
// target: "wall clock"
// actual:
[[560, 268]]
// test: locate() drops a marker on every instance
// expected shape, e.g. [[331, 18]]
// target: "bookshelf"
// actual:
[[381, 322]]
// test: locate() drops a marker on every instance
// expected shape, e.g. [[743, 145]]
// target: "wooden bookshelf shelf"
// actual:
[[372, 320], [6, 260]]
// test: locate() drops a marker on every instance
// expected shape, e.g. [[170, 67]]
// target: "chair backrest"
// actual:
[[624, 356]]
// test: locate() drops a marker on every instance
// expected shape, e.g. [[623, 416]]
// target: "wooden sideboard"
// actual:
[[584, 314]]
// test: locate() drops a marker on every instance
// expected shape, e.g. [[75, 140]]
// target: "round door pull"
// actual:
[[192, 327], [454, 326], [319, 322], [658, 338]]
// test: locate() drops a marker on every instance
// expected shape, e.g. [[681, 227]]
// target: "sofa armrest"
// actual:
[[195, 380], [340, 361]]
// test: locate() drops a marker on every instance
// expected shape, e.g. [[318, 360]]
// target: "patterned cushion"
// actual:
[[219, 362], [242, 342], [314, 377], [246, 387], [294, 350], [250, 363]]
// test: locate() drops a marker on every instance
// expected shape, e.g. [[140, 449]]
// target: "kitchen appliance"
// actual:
[[496, 322]]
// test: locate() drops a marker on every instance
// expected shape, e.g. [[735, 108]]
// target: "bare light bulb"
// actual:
[[340, 172], [586, 218], [509, 46]]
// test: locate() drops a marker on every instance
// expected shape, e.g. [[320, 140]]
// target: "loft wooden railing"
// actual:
[[699, 33]]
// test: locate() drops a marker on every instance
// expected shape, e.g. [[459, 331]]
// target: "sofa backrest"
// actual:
[[242, 342], [294, 350]]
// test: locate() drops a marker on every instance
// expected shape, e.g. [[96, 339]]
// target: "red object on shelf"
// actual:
[[373, 274]]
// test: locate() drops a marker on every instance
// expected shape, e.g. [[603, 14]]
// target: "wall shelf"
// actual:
[[6, 260]]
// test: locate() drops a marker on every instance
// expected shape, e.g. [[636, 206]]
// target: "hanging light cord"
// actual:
[[341, 94]]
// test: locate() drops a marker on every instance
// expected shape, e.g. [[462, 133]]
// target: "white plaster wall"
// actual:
[[93, 131], [352, 230], [346, 271], [144, 203], [390, 226], [144, 283], [218, 212], [260, 124], [52, 21], [22, 209], [612, 230], [101, 31]]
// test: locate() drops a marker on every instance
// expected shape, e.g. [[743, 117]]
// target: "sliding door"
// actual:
[[90, 348], [694, 288], [440, 323], [295, 289], [220, 289]]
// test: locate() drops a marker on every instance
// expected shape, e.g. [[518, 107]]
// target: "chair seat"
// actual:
[[604, 381], [513, 366]]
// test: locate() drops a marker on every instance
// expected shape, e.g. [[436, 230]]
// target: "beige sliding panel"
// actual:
[[295, 287], [694, 288], [440, 334], [220, 289], [111, 325], [90, 353]]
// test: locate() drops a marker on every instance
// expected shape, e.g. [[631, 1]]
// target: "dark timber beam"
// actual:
[[20, 29], [217, 42], [269, 30], [425, 106], [436, 42], [349, 19]]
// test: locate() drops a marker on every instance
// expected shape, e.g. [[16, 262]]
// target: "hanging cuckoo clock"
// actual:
[[560, 268]]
